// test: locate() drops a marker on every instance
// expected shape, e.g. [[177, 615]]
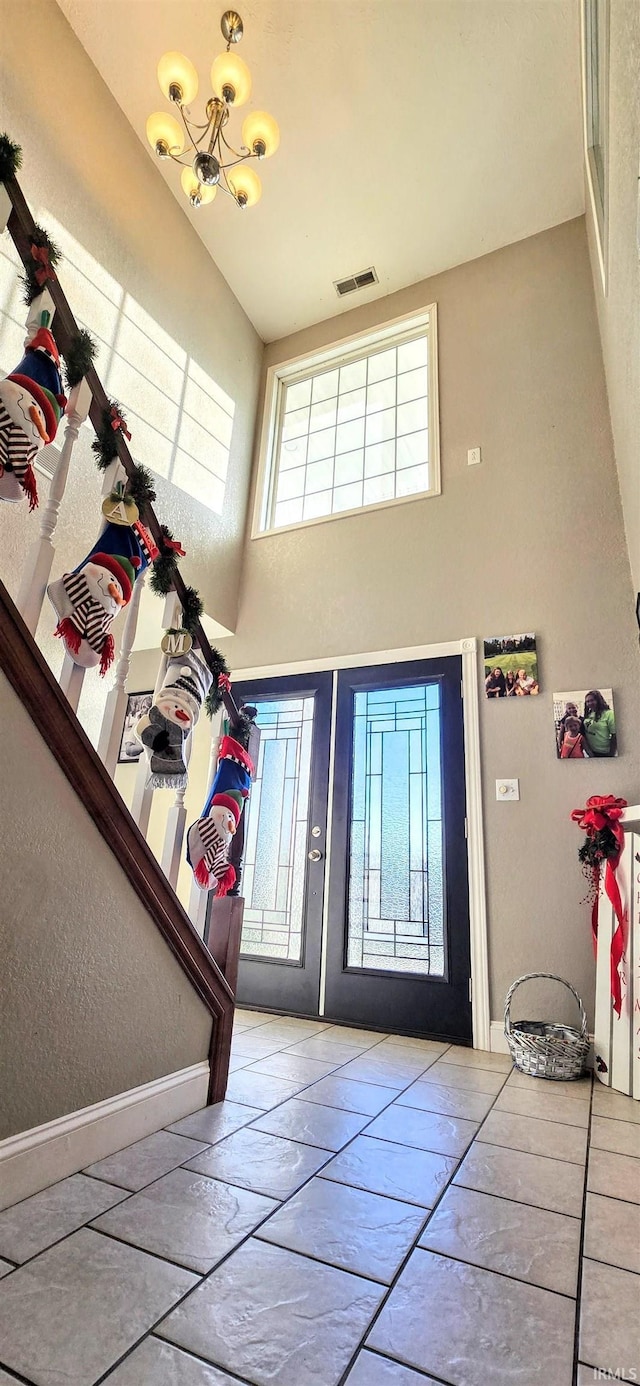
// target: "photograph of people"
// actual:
[[585, 724], [510, 666], [495, 684], [599, 725], [572, 747]]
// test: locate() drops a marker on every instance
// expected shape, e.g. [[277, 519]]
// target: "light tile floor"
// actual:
[[362, 1210]]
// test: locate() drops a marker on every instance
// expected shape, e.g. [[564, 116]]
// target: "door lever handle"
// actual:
[[315, 854]]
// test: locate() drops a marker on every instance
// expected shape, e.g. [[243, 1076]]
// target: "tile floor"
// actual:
[[362, 1210]]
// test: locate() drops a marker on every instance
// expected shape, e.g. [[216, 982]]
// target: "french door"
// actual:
[[371, 925]]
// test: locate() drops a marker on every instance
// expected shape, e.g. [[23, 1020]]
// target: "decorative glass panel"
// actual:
[[275, 854], [396, 875]]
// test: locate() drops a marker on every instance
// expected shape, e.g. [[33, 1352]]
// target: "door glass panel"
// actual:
[[396, 878], [275, 853]]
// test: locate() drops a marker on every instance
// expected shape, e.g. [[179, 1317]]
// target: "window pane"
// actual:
[[396, 881], [349, 467], [343, 426], [276, 832]]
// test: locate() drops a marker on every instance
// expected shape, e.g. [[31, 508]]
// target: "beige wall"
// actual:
[[92, 1001], [530, 540], [619, 311], [86, 172]]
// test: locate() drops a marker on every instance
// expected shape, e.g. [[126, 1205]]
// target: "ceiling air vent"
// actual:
[[355, 281]]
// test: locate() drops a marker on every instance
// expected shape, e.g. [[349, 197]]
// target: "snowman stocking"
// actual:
[[88, 600], [209, 839], [31, 404], [173, 715]]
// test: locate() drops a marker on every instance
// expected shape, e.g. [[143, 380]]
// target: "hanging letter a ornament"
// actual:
[[119, 508]]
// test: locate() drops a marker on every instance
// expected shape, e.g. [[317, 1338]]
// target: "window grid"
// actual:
[[396, 868], [355, 433]]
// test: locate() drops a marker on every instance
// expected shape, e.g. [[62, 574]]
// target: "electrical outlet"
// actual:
[[474, 457], [507, 790]]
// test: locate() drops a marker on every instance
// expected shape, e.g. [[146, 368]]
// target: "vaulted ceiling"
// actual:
[[415, 134]]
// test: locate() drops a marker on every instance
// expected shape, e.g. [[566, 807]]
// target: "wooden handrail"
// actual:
[[41, 696], [21, 226]]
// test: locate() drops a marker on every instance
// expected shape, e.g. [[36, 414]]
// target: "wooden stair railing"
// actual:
[[29, 674], [21, 226]]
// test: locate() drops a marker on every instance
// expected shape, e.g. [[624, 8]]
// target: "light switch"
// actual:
[[474, 457], [507, 790]]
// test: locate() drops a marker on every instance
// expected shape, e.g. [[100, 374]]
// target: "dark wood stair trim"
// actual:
[[29, 674]]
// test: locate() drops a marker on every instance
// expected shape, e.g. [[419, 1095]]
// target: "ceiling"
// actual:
[[415, 134]]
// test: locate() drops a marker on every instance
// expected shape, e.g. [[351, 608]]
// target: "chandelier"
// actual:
[[208, 160]]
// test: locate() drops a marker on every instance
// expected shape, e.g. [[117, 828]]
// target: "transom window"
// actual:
[[351, 430]]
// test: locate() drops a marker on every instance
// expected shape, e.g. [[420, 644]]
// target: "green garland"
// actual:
[[140, 486], [218, 666], [41, 238], [192, 609], [104, 444], [241, 729], [10, 158], [79, 357], [165, 566]]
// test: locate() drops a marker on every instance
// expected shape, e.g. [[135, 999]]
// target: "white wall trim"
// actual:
[[498, 1043], [467, 648], [34, 1159]]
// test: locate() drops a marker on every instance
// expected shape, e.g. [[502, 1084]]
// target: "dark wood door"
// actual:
[[398, 947], [283, 886]]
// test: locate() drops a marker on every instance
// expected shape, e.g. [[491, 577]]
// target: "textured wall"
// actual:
[[85, 169], [530, 540], [619, 311], [92, 1001]]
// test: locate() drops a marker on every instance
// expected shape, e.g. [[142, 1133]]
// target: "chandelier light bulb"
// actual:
[[178, 78], [164, 134], [197, 192], [260, 134], [231, 79], [245, 186]]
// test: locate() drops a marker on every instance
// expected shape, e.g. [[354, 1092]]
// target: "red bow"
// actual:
[[175, 545], [224, 682], [40, 254], [117, 421], [605, 811]]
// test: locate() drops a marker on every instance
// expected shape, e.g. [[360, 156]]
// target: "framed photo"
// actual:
[[130, 748], [585, 724], [511, 666]]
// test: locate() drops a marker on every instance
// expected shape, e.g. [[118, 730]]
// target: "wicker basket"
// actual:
[[542, 1050]]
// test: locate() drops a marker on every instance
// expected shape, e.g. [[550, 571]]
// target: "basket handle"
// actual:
[[550, 977]]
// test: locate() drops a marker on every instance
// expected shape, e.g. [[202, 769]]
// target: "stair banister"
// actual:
[[21, 228]]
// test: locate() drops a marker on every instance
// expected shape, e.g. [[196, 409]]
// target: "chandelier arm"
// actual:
[[225, 186], [249, 154], [187, 127]]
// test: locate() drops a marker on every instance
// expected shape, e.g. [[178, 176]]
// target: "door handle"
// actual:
[[315, 854]]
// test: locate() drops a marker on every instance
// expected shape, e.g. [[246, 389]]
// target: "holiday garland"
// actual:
[[10, 158], [78, 359], [45, 255]]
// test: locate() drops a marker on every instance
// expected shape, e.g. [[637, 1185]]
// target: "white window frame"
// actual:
[[339, 353], [600, 220]]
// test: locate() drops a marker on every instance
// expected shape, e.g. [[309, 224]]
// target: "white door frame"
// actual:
[[467, 649]]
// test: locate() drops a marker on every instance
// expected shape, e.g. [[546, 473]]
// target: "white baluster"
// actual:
[[116, 704], [142, 795], [5, 207], [71, 681], [199, 899], [38, 565], [175, 829]]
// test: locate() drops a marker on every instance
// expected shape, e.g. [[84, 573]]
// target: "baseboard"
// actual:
[[34, 1159], [498, 1042]]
